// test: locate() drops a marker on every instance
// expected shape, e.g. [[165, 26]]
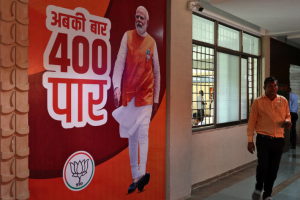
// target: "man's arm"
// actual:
[[288, 114], [119, 68], [296, 101], [156, 76], [252, 125]]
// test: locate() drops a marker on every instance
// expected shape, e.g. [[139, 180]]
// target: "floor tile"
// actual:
[[239, 186]]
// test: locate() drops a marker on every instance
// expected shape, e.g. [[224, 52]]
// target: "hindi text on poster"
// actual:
[[77, 60]]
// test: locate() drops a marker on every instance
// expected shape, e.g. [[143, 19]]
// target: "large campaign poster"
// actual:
[[90, 65]]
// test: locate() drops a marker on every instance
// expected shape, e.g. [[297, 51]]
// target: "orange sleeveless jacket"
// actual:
[[138, 78]]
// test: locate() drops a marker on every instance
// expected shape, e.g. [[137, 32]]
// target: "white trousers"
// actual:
[[138, 139], [134, 125]]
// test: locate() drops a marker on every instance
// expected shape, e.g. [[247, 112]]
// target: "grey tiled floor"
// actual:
[[244, 182], [292, 192]]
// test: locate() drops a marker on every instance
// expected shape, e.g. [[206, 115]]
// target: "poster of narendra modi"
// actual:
[[97, 79]]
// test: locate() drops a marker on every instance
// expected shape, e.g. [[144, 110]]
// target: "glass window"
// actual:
[[228, 90], [227, 97], [203, 86], [228, 38], [203, 29], [250, 83], [243, 89], [255, 79], [250, 44]]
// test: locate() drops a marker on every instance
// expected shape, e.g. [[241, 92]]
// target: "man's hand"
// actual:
[[154, 110], [288, 126], [117, 95], [251, 147]]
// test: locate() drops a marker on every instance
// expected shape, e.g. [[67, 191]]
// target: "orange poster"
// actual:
[[97, 117]]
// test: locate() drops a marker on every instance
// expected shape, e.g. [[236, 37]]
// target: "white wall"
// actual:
[[266, 59], [179, 98], [217, 151]]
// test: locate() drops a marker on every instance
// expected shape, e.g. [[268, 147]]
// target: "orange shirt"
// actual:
[[268, 116]]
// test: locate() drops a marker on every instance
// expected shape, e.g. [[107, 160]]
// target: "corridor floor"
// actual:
[[240, 185]]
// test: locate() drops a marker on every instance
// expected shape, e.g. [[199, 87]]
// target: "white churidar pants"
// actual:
[[134, 125]]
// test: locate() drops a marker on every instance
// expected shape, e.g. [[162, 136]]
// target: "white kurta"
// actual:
[[199, 103], [130, 117]]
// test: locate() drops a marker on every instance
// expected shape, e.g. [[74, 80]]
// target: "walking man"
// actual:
[[200, 105], [137, 66], [269, 116], [293, 103]]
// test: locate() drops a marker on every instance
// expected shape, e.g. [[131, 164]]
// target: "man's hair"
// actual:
[[147, 15], [197, 117], [270, 79]]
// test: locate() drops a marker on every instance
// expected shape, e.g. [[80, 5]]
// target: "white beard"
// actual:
[[141, 30]]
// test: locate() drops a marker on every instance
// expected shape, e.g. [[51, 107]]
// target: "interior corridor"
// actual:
[[240, 185], [295, 86]]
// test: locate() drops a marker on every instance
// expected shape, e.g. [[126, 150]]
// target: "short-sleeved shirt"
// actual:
[[293, 102], [199, 102]]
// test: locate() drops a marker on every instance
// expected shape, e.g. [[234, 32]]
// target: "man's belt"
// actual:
[[265, 136]]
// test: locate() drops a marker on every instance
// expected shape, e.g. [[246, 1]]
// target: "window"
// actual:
[[244, 95], [204, 29], [228, 90], [225, 74], [250, 44], [228, 38], [203, 85], [252, 81]]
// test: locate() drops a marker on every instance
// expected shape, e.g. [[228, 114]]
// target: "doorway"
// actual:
[[295, 86]]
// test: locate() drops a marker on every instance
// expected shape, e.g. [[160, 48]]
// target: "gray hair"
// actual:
[[147, 15]]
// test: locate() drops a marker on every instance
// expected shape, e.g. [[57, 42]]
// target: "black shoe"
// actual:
[[144, 181], [133, 186], [293, 147]]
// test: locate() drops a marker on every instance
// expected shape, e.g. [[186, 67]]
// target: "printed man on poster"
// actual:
[[138, 63]]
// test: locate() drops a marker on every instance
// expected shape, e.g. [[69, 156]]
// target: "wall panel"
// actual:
[[14, 99]]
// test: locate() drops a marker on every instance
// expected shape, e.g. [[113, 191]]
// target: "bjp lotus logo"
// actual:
[[78, 170]]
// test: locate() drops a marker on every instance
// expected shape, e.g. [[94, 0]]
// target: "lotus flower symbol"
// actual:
[[79, 169]]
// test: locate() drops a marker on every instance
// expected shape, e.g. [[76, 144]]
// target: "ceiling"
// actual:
[[280, 18]]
